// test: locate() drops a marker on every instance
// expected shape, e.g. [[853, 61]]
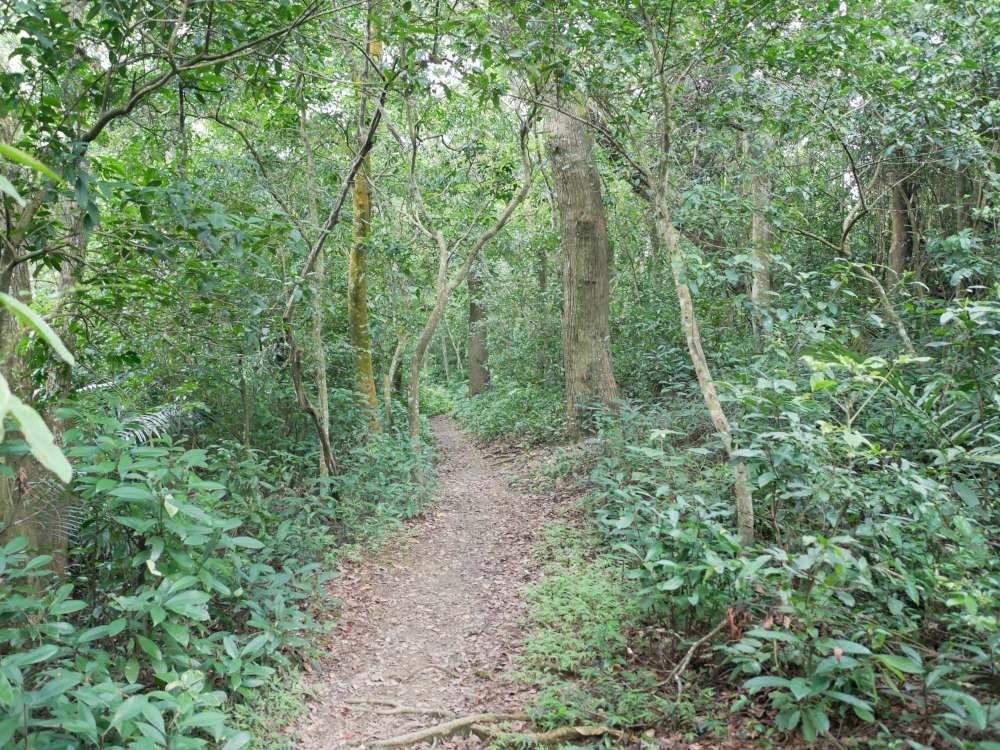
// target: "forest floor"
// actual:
[[429, 629]]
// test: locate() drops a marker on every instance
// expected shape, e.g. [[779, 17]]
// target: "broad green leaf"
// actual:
[[7, 728], [6, 691], [132, 492], [55, 687], [39, 438], [7, 187], [178, 632], [67, 607], [899, 664], [131, 708], [766, 681], [34, 321], [247, 542], [237, 741], [21, 157], [131, 670], [814, 723], [35, 656]]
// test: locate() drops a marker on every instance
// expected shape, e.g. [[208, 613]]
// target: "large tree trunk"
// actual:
[[357, 267], [479, 376], [583, 232]]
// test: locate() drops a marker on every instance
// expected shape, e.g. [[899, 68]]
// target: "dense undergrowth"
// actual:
[[191, 591], [867, 608]]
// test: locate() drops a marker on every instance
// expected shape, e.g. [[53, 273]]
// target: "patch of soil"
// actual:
[[434, 623]]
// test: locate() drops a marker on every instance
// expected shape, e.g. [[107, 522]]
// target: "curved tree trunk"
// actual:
[[479, 376], [318, 288], [420, 351], [692, 334], [583, 231]]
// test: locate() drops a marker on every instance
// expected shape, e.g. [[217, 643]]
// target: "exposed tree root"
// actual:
[[388, 707], [462, 725], [552, 737]]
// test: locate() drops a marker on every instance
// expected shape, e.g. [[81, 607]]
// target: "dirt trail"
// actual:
[[434, 623]]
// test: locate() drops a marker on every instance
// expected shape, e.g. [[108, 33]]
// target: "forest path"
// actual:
[[434, 622]]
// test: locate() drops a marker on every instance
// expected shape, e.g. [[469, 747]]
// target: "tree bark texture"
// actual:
[[479, 376], [761, 239], [583, 231], [357, 265], [901, 232]]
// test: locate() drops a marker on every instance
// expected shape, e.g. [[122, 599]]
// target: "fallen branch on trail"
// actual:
[[463, 725]]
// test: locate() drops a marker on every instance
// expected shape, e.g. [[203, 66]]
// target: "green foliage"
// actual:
[[436, 399], [872, 593], [33, 428], [529, 414], [164, 188], [582, 620], [191, 586]]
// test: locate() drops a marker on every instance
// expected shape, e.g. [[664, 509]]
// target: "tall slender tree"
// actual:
[[361, 219]]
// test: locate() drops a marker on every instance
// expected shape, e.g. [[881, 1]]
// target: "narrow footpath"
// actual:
[[429, 629]]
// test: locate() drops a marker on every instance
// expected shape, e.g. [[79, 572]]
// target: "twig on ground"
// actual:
[[677, 671]]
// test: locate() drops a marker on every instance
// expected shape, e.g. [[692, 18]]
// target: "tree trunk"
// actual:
[[544, 335], [455, 348], [357, 267], [761, 239], [692, 334], [318, 288], [583, 231], [417, 358], [445, 359], [479, 376], [389, 379], [901, 242], [444, 287]]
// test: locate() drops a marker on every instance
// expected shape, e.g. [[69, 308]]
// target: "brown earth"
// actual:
[[430, 628]]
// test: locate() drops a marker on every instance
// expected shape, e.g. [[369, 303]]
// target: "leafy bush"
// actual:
[[435, 399], [581, 621], [871, 596], [530, 414], [191, 583]]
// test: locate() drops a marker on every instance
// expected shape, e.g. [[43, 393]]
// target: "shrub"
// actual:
[[530, 414], [191, 586], [871, 595]]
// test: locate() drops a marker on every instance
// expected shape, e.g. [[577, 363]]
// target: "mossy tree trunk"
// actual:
[[357, 265]]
